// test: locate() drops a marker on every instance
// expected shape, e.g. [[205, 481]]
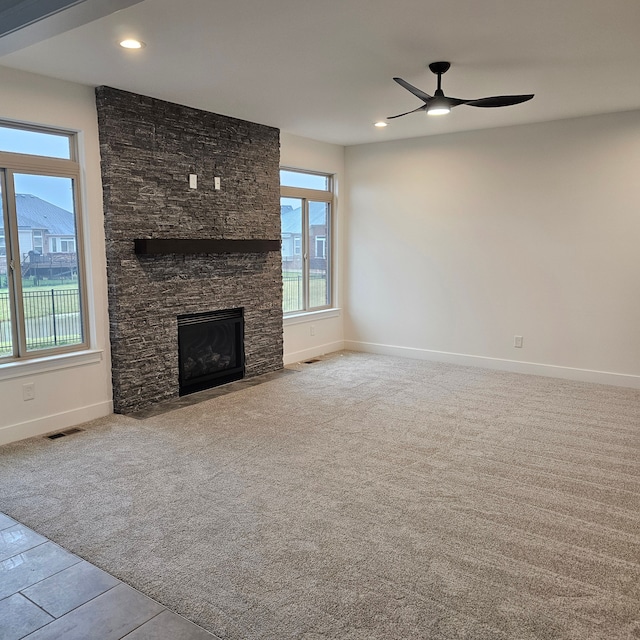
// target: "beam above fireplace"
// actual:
[[158, 246]]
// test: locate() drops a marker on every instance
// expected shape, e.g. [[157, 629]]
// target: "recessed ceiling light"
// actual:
[[380, 124], [132, 44]]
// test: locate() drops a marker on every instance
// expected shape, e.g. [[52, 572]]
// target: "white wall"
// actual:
[[456, 243], [81, 389], [299, 343]]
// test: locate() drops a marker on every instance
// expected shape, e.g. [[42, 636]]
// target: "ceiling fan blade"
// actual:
[[422, 108], [425, 97], [454, 102], [498, 101]]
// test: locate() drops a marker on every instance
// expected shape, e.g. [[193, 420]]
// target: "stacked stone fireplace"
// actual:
[[149, 148]]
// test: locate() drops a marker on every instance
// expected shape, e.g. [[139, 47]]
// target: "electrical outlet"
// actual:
[[28, 391], [517, 342], [312, 330]]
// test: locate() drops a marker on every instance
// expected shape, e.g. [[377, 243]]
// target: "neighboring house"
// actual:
[[292, 237], [47, 239]]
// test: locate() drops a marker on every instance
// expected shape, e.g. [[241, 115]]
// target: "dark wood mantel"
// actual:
[[159, 246]]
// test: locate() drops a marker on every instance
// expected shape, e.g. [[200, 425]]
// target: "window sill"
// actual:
[[311, 316], [33, 366]]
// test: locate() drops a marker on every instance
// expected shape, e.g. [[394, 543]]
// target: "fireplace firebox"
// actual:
[[210, 349]]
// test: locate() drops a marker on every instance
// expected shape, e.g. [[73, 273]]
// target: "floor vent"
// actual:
[[311, 361], [62, 434]]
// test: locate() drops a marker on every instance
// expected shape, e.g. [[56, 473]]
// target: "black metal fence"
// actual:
[[292, 291], [51, 318]]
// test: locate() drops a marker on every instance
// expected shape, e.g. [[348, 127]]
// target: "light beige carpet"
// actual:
[[364, 497]]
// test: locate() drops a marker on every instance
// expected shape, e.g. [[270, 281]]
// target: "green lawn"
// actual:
[[38, 300], [292, 291], [62, 341]]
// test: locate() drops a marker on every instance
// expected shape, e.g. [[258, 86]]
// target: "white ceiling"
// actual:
[[324, 69]]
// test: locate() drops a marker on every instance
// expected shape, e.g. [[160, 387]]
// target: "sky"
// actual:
[[58, 191], [304, 180]]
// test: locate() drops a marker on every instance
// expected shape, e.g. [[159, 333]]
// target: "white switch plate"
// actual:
[[517, 342], [193, 181], [216, 184]]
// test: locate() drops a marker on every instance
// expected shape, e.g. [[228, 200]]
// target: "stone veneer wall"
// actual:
[[148, 148]]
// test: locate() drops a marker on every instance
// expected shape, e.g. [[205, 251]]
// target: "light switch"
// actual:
[[216, 184], [193, 181]]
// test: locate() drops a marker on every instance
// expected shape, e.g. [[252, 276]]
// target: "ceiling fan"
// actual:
[[439, 104]]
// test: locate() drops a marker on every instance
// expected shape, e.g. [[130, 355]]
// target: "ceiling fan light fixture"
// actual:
[[438, 110], [439, 106]]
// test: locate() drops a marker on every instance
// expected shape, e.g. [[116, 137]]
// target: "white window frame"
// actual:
[[314, 195], [38, 236], [19, 163]]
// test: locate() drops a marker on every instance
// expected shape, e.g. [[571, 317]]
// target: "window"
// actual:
[[37, 242], [42, 301], [304, 180], [67, 245], [306, 201], [35, 142]]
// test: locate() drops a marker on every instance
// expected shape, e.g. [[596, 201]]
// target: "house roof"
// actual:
[[36, 213]]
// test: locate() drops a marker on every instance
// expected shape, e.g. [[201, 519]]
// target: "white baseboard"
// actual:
[[515, 366], [56, 422], [313, 352]]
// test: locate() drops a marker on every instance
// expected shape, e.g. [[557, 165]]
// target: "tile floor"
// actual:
[[47, 593]]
